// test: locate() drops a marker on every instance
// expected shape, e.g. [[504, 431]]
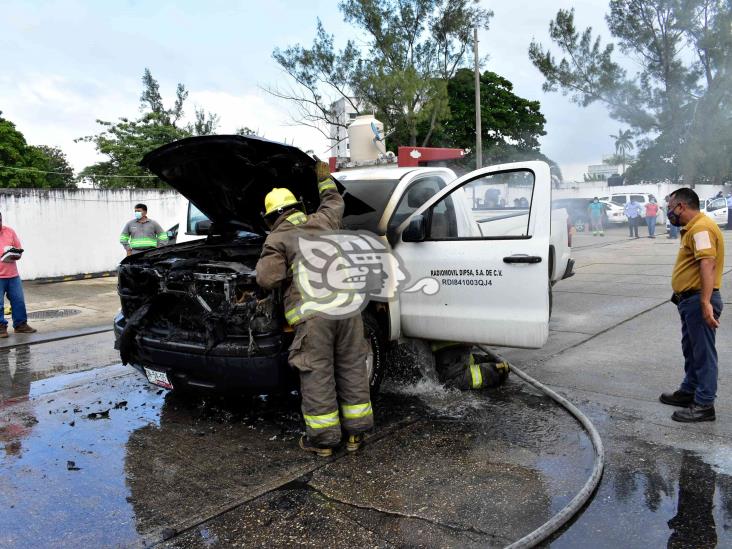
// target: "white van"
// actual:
[[621, 199]]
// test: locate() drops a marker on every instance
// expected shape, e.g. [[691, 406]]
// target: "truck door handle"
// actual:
[[522, 258]]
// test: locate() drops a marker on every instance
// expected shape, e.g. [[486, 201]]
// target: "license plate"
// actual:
[[158, 378]]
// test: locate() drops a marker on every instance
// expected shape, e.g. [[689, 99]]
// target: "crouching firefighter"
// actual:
[[459, 367], [329, 352]]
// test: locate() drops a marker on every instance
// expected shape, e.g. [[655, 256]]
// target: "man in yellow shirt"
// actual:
[[696, 280]]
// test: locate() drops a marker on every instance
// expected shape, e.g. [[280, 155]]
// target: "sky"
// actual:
[[67, 63]]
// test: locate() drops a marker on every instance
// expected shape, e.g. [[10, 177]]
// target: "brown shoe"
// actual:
[[3, 330], [24, 329]]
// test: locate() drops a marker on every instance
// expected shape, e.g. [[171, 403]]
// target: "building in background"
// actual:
[[344, 115], [602, 171]]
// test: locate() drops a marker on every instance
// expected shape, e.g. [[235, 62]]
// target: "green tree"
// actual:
[[53, 160], [678, 102], [126, 141], [16, 159], [26, 166], [412, 48], [204, 123], [511, 125], [506, 118], [623, 145]]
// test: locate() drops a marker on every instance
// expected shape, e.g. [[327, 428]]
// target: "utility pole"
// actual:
[[478, 130]]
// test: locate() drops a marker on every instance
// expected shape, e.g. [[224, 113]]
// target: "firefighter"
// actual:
[[328, 352], [459, 367]]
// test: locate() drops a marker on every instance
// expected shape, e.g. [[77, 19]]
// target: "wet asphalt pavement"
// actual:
[[101, 458], [93, 456]]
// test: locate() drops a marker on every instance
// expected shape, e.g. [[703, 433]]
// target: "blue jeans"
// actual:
[[651, 222], [700, 354], [13, 288], [673, 231]]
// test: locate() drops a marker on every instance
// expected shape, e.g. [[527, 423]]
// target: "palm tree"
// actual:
[[623, 144]]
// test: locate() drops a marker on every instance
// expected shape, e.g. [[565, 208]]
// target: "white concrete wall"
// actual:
[[72, 232], [659, 190]]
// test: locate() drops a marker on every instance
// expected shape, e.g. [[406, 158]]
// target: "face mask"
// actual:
[[674, 218], [596, 201], [138, 215]]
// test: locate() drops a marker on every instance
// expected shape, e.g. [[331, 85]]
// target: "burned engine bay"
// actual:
[[199, 293]]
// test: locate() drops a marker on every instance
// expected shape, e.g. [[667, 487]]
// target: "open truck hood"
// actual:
[[228, 176]]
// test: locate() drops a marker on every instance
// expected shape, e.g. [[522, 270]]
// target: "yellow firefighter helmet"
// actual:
[[277, 199]]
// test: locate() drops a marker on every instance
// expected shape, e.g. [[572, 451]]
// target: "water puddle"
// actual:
[[21, 366], [655, 495]]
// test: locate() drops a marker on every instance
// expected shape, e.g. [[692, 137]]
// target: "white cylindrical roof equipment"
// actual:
[[366, 138]]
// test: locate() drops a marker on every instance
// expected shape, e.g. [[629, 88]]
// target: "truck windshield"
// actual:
[[375, 194]]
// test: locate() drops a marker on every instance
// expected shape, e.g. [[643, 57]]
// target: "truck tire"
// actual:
[[376, 361]]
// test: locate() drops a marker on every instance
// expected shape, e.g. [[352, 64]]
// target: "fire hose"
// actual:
[[583, 496]]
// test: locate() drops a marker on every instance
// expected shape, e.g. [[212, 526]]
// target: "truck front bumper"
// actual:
[[228, 367]]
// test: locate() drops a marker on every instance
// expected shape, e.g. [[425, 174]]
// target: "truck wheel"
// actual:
[[376, 359]]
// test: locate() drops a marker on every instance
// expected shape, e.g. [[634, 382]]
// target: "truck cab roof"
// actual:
[[380, 173]]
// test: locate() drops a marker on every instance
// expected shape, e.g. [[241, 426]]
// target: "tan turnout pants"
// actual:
[[330, 355]]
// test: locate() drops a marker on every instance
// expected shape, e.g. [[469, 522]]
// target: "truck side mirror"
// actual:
[[416, 231], [173, 232], [203, 227]]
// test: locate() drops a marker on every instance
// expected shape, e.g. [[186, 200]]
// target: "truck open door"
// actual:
[[484, 240]]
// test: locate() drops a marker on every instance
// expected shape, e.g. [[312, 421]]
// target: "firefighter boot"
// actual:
[[353, 442], [321, 451], [484, 375], [503, 369]]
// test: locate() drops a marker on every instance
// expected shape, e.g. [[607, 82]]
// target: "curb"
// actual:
[[69, 278]]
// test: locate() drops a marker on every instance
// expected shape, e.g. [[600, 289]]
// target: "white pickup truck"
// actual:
[[487, 240], [398, 192], [480, 198]]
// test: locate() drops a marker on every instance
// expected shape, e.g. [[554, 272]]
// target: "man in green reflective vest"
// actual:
[[142, 233]]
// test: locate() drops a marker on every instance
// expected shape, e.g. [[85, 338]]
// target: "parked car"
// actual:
[[615, 214], [193, 316], [716, 208], [621, 199]]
